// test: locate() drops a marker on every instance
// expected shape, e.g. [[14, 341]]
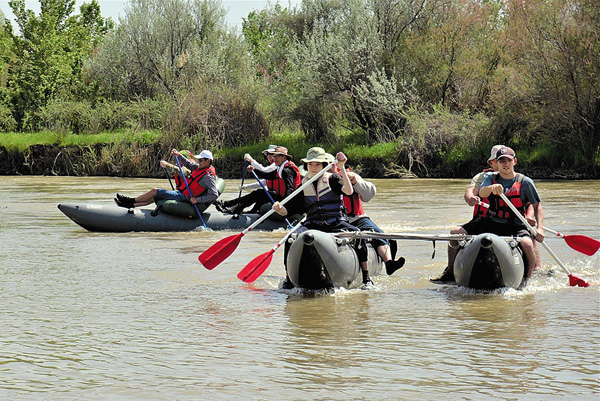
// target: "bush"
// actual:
[[7, 121], [216, 118], [451, 142], [82, 117]]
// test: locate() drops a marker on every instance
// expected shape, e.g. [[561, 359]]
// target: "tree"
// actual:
[[553, 70], [49, 53], [160, 47]]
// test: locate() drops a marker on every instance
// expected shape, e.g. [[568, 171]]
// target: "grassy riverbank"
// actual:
[[136, 154]]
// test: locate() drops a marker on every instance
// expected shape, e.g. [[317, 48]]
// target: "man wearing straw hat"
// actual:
[[280, 183], [259, 167]]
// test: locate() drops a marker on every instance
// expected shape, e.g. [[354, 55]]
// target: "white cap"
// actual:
[[495, 150], [205, 154]]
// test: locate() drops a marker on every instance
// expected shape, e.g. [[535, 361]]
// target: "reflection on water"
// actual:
[[135, 316]]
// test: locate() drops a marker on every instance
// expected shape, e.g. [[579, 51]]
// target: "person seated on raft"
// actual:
[[364, 191], [500, 219], [480, 205], [259, 167], [480, 209], [324, 212], [280, 184], [202, 183]]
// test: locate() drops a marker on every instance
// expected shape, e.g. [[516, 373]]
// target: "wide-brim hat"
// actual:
[[318, 154], [270, 149], [280, 150]]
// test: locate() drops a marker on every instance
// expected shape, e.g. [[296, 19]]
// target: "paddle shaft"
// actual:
[[533, 232], [270, 197], [294, 228], [555, 232], [243, 177], [287, 199], [169, 178], [188, 189]]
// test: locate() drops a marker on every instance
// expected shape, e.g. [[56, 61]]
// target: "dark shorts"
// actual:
[[366, 224], [163, 194], [483, 225]]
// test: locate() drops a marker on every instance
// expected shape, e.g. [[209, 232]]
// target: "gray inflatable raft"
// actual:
[[488, 261], [109, 218], [319, 260]]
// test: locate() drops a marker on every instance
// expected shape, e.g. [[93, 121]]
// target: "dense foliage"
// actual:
[[441, 81]]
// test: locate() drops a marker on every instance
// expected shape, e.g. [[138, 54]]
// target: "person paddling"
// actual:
[[500, 219], [364, 191], [281, 182], [259, 167], [322, 202], [201, 182], [480, 210]]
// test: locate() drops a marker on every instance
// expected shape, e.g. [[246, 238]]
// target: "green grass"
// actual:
[[21, 141], [296, 143]]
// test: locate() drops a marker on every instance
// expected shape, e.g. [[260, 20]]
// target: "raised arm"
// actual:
[[341, 163]]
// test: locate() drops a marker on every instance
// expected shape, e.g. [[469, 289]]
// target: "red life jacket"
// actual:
[[480, 210], [353, 205], [192, 181], [277, 184], [497, 205]]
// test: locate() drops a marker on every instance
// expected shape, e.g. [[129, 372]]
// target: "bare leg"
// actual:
[[146, 198], [384, 252], [527, 246], [538, 256]]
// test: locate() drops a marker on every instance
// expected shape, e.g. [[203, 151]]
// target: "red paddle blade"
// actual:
[[256, 267], [577, 282], [583, 244], [219, 251]]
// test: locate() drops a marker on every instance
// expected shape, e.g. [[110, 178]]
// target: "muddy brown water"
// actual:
[[135, 316]]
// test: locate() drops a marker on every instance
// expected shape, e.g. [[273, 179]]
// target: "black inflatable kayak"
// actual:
[[109, 218]]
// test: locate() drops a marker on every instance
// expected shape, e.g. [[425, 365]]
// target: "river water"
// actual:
[[135, 316]]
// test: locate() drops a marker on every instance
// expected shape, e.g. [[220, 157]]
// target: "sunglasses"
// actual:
[[203, 159]]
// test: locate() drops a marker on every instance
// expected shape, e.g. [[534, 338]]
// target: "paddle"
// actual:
[[221, 250], [259, 264], [269, 195], [190, 192], [169, 178], [580, 243], [573, 281], [243, 177]]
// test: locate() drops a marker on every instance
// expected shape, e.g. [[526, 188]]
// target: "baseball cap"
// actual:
[[505, 151], [205, 154], [495, 150]]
